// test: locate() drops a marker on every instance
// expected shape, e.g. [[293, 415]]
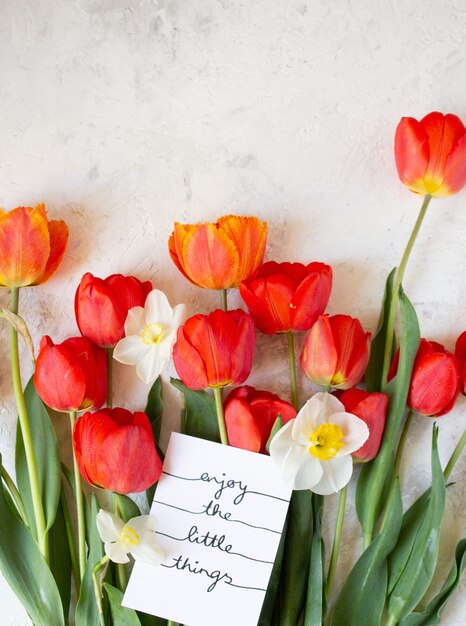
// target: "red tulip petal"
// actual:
[[319, 357], [243, 347], [443, 132], [187, 360], [411, 152], [455, 167], [243, 430], [434, 384], [373, 411], [24, 246], [460, 347], [58, 232], [311, 296]]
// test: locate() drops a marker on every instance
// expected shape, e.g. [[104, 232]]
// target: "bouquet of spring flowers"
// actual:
[[66, 551]]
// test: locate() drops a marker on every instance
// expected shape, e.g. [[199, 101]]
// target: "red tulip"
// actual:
[[101, 306], [71, 376], [460, 353], [115, 450], [336, 352], [435, 383], [215, 350], [31, 247], [285, 297], [430, 155], [372, 409], [220, 255], [250, 415]]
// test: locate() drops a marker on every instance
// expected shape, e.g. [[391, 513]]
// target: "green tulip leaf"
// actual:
[[296, 562], [154, 407], [60, 558], [362, 598], [121, 616], [200, 419], [270, 599], [315, 600], [87, 612], [275, 428], [432, 614], [420, 566], [373, 376], [47, 459], [376, 477], [26, 571], [127, 507]]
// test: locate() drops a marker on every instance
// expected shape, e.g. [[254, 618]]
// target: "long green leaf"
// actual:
[[315, 600], [376, 476], [295, 569], [420, 567], [47, 459], [26, 571], [274, 582], [154, 407], [433, 612], [87, 613], [373, 376], [200, 414], [362, 599], [60, 559], [121, 616]]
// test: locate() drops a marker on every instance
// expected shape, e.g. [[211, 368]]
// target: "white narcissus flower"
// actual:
[[150, 334], [313, 451], [137, 537]]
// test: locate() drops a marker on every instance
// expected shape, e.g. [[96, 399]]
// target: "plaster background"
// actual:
[[125, 115]]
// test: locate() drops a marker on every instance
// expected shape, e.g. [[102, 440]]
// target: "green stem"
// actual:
[[97, 589], [79, 507], [336, 542], [220, 415], [392, 621], [455, 456], [170, 623], [223, 299], [39, 516], [15, 495], [402, 442], [120, 568], [109, 377], [396, 288], [292, 362], [69, 536]]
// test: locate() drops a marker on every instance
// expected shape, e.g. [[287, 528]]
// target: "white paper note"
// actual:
[[220, 514]]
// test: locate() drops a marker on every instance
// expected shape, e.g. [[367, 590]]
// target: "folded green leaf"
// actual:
[[25, 569], [60, 559], [274, 583], [47, 459], [127, 507], [295, 569], [154, 407], [275, 428], [373, 376], [315, 600], [376, 477], [200, 414], [419, 570], [362, 599], [121, 616], [433, 612]]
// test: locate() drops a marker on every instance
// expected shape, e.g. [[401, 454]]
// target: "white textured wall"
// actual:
[[124, 115]]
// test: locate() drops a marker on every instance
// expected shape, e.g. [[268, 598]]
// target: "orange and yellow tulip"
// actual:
[[31, 247], [218, 255], [430, 154]]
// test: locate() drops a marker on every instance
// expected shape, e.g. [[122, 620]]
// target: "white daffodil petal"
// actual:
[[307, 419], [142, 524], [295, 458], [179, 313], [150, 366], [116, 552], [309, 474], [135, 321], [130, 350], [108, 525], [355, 432], [336, 474], [281, 443], [158, 309], [330, 404], [149, 552]]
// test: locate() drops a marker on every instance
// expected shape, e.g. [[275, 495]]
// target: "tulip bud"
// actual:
[[115, 450], [71, 376]]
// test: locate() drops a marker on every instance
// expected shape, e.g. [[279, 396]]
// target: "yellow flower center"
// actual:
[[129, 537], [325, 441], [152, 333]]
